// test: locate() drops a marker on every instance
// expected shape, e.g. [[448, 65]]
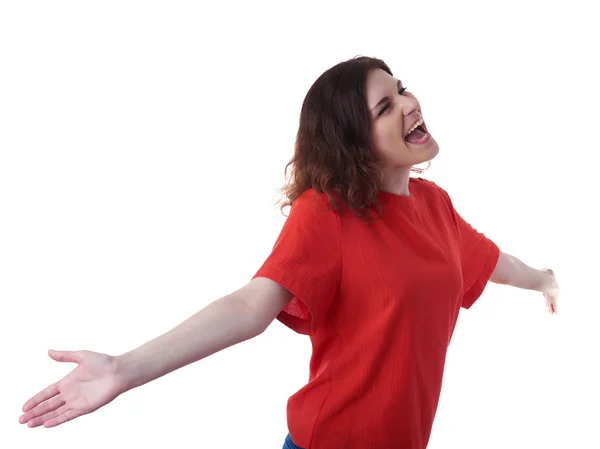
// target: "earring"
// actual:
[[421, 170]]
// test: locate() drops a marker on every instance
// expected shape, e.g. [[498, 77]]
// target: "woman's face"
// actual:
[[394, 112]]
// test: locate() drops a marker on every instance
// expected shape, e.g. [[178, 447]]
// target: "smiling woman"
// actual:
[[351, 138], [398, 132], [373, 264]]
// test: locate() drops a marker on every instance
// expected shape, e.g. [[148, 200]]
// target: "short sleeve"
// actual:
[[479, 256], [306, 260]]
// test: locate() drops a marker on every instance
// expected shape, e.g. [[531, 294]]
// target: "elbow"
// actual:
[[255, 323], [259, 321], [260, 327], [264, 299]]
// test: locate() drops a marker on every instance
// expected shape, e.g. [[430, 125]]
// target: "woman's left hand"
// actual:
[[551, 291]]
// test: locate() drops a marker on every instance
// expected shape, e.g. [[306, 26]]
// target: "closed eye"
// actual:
[[401, 90]]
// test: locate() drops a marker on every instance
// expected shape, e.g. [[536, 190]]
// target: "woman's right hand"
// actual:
[[91, 385]]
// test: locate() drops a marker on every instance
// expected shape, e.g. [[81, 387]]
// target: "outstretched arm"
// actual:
[[99, 378], [514, 272], [233, 319]]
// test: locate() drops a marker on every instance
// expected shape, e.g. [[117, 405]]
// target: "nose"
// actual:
[[410, 105]]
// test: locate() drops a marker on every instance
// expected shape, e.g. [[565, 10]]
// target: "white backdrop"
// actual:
[[141, 145]]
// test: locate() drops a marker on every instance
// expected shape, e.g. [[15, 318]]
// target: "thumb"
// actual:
[[66, 356]]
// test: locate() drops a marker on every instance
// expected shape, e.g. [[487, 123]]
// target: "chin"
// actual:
[[429, 152], [434, 150]]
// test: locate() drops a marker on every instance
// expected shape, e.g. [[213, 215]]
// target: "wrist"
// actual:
[[533, 279], [125, 372], [548, 280]]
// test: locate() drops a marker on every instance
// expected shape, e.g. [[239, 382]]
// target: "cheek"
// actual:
[[389, 137], [389, 147]]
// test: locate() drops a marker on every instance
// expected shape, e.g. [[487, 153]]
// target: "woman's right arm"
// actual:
[[232, 319], [305, 262], [100, 378]]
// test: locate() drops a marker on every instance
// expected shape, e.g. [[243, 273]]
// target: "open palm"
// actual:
[[91, 385]]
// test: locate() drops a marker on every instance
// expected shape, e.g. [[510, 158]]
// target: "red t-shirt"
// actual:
[[380, 302]]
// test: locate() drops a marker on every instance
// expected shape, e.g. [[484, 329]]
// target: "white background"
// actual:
[[141, 146]]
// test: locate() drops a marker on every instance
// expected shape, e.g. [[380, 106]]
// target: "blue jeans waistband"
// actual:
[[289, 444]]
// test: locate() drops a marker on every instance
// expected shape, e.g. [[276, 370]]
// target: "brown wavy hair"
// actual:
[[332, 154]]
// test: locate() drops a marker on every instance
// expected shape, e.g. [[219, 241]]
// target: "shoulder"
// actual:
[[433, 189], [312, 203], [311, 198], [312, 212], [437, 197]]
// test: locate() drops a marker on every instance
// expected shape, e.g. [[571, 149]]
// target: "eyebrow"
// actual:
[[386, 98]]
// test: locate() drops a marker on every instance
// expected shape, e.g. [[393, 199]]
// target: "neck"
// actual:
[[396, 181]]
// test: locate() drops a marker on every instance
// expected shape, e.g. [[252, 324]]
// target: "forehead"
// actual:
[[379, 83]]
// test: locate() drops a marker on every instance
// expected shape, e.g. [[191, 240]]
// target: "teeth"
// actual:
[[420, 122]]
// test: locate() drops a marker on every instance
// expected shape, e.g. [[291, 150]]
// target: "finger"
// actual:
[[42, 396], [56, 417], [62, 418], [551, 306], [41, 420], [42, 409], [66, 356]]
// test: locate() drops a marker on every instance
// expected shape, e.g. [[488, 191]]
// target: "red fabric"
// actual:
[[380, 302]]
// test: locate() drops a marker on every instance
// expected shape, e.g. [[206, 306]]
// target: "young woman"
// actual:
[[372, 263]]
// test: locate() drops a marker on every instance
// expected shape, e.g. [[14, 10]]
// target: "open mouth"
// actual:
[[419, 135]]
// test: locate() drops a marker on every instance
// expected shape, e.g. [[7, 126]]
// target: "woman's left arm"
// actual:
[[512, 271]]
